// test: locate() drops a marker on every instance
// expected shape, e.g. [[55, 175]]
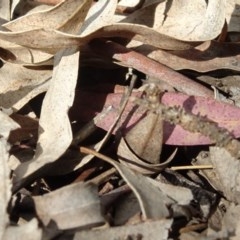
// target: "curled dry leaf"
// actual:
[[14, 53], [51, 41], [153, 69], [54, 18], [73, 206], [202, 21], [68, 16], [211, 55], [54, 112]]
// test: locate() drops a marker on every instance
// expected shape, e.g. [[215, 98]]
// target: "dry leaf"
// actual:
[[27, 231], [5, 7], [54, 112], [14, 53], [7, 124], [51, 41], [56, 104], [99, 15], [19, 84], [200, 22], [154, 230], [231, 222], [55, 18], [73, 206], [145, 138], [232, 15], [227, 170], [210, 55], [67, 16], [152, 201]]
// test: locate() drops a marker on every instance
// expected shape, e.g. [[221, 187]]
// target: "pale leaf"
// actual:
[[7, 124], [67, 16], [15, 53], [101, 14], [20, 84], [154, 230], [183, 20], [27, 231], [200, 23], [226, 168], [231, 221], [74, 206], [55, 129], [51, 41], [5, 6], [54, 18], [232, 15]]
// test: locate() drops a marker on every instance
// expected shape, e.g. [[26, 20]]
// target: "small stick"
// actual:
[[150, 67], [190, 167], [103, 176]]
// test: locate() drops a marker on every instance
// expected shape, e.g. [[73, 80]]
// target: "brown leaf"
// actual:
[[28, 130], [145, 138], [74, 206]]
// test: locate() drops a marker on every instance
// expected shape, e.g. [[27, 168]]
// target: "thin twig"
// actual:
[[103, 176], [201, 167]]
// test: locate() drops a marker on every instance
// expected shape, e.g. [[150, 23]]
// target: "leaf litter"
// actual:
[[119, 119]]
